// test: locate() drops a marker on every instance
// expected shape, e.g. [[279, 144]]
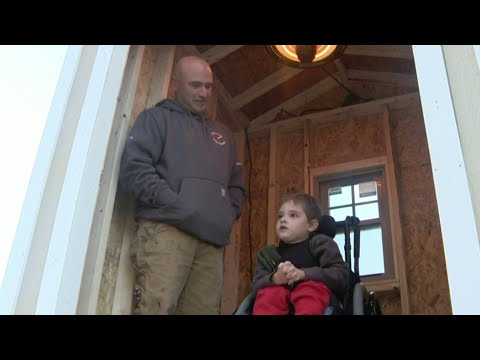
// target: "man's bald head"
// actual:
[[188, 62], [193, 81]]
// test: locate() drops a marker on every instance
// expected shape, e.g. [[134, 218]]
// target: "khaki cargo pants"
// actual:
[[175, 273]]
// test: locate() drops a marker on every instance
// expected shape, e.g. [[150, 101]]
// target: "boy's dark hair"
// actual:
[[308, 203]]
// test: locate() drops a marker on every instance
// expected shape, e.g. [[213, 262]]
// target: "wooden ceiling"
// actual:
[[254, 89]]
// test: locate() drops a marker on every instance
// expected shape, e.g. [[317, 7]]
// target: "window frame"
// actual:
[[391, 235], [348, 179]]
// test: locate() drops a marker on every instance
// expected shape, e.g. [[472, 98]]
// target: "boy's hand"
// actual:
[[280, 276], [294, 275]]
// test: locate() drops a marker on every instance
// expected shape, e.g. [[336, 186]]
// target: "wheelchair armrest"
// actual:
[[335, 307], [245, 307], [359, 298], [364, 302], [330, 310]]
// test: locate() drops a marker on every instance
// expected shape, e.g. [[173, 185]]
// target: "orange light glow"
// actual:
[[288, 51]]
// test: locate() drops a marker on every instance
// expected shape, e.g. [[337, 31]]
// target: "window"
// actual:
[[360, 189]]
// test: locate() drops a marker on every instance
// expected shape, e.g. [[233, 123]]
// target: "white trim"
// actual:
[[102, 219], [36, 203], [476, 48], [61, 280], [462, 253]]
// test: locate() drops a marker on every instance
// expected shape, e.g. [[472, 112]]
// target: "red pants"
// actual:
[[309, 298]]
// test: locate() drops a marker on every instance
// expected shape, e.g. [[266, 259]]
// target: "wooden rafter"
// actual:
[[398, 51], [342, 71], [383, 77], [264, 85], [225, 97], [394, 102], [302, 98], [218, 52]]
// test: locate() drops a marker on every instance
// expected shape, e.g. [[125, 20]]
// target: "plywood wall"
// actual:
[[390, 303], [289, 162], [346, 137], [254, 218], [352, 136], [425, 259]]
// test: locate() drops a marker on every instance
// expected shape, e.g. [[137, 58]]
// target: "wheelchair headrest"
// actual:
[[327, 226]]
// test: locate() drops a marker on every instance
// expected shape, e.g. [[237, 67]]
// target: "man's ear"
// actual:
[[312, 225], [173, 83]]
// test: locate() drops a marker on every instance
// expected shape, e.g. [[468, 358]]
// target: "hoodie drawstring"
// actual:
[[204, 127]]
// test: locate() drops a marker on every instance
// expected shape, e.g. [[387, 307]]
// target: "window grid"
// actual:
[[369, 268]]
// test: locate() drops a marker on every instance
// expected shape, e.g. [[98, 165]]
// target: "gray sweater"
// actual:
[[182, 169]]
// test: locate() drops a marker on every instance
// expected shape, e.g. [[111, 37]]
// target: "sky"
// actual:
[[28, 77]]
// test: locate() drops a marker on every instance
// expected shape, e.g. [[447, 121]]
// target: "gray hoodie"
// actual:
[[183, 170]]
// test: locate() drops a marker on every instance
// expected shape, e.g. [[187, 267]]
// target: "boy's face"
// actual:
[[292, 223]]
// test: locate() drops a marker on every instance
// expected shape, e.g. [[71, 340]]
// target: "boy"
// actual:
[[311, 265]]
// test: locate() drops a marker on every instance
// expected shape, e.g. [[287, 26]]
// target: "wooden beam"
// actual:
[[223, 95], [122, 303], [306, 156], [293, 103], [342, 71], [393, 51], [395, 102], [161, 74], [218, 52], [383, 77], [272, 187], [394, 213], [231, 260], [263, 86]]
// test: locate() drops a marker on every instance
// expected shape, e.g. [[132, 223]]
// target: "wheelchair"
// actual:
[[357, 300]]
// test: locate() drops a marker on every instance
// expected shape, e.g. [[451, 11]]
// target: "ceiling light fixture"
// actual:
[[305, 56]]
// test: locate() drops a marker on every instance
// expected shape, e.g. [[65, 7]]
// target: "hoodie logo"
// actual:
[[218, 138]]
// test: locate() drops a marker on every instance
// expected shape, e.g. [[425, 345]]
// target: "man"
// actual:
[[183, 172]]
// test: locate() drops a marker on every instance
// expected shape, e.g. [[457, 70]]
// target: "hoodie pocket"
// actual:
[[213, 214]]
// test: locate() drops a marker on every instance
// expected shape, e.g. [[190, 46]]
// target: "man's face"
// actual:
[[193, 86]]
